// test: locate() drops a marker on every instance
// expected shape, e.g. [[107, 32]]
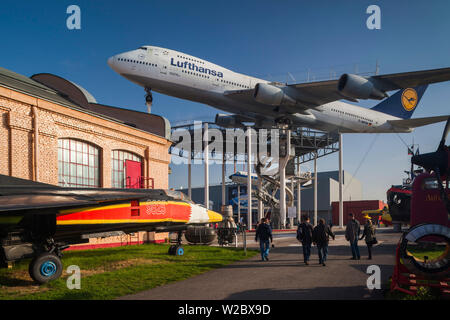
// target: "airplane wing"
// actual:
[[403, 80], [245, 96], [29, 197], [314, 94], [45, 201], [40, 203], [418, 122], [309, 95], [321, 92]]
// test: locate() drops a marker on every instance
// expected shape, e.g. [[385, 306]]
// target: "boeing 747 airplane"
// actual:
[[268, 104]]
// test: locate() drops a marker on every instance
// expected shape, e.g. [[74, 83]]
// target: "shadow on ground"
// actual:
[[339, 250], [10, 280], [334, 293]]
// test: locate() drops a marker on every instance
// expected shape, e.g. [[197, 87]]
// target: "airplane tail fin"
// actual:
[[403, 103]]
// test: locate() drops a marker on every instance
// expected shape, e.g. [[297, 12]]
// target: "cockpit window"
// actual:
[[178, 195], [143, 48]]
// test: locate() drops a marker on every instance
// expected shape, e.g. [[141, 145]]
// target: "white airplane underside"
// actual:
[[316, 105]]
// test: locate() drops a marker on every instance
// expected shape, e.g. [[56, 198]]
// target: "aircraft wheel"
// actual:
[[45, 267], [179, 250], [148, 98]]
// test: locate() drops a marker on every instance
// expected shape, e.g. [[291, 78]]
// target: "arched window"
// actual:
[[119, 175], [78, 164]]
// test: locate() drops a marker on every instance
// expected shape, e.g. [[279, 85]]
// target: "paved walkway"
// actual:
[[286, 277]]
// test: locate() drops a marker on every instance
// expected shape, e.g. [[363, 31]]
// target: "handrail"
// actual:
[[141, 183]]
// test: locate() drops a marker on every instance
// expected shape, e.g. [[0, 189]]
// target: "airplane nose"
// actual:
[[214, 216], [111, 62]]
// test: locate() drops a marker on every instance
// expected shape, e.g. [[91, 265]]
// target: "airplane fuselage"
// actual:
[[187, 77]]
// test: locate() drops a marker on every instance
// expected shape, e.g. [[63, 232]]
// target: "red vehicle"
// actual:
[[430, 216], [426, 202]]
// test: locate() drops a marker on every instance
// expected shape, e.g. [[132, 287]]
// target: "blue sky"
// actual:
[[261, 38]]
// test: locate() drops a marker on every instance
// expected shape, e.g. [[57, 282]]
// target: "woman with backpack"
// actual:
[[321, 236], [369, 234]]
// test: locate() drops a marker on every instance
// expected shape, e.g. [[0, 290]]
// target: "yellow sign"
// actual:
[[409, 99]]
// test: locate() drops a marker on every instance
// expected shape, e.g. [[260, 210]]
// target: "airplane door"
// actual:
[[133, 174], [163, 60]]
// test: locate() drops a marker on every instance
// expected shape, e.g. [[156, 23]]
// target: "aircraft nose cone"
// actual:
[[214, 216], [111, 62]]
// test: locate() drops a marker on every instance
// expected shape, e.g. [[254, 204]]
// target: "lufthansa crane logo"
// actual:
[[409, 99]]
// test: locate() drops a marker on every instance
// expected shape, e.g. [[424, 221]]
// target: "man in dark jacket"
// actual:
[[352, 235], [304, 235], [321, 237], [264, 234]]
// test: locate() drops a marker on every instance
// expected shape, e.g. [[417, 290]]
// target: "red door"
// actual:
[[133, 174]]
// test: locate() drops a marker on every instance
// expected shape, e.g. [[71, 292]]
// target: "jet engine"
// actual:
[[273, 95], [265, 123], [228, 121], [358, 87]]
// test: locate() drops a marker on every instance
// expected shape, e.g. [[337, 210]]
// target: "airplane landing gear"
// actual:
[[45, 267], [283, 123], [177, 250], [148, 99]]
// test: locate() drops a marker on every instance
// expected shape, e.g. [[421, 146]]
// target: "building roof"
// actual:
[[89, 97], [69, 94], [28, 86]]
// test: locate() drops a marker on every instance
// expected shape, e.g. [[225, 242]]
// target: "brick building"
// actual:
[[54, 131]]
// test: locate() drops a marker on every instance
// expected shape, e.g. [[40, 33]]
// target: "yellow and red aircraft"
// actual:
[[40, 220], [379, 214]]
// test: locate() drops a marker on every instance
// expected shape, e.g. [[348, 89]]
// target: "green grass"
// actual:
[[114, 272], [432, 252]]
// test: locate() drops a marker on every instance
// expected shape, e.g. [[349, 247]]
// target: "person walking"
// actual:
[[264, 234], [321, 237], [304, 235], [369, 234], [352, 232]]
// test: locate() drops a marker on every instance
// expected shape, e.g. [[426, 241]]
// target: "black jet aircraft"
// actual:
[[39, 221]]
